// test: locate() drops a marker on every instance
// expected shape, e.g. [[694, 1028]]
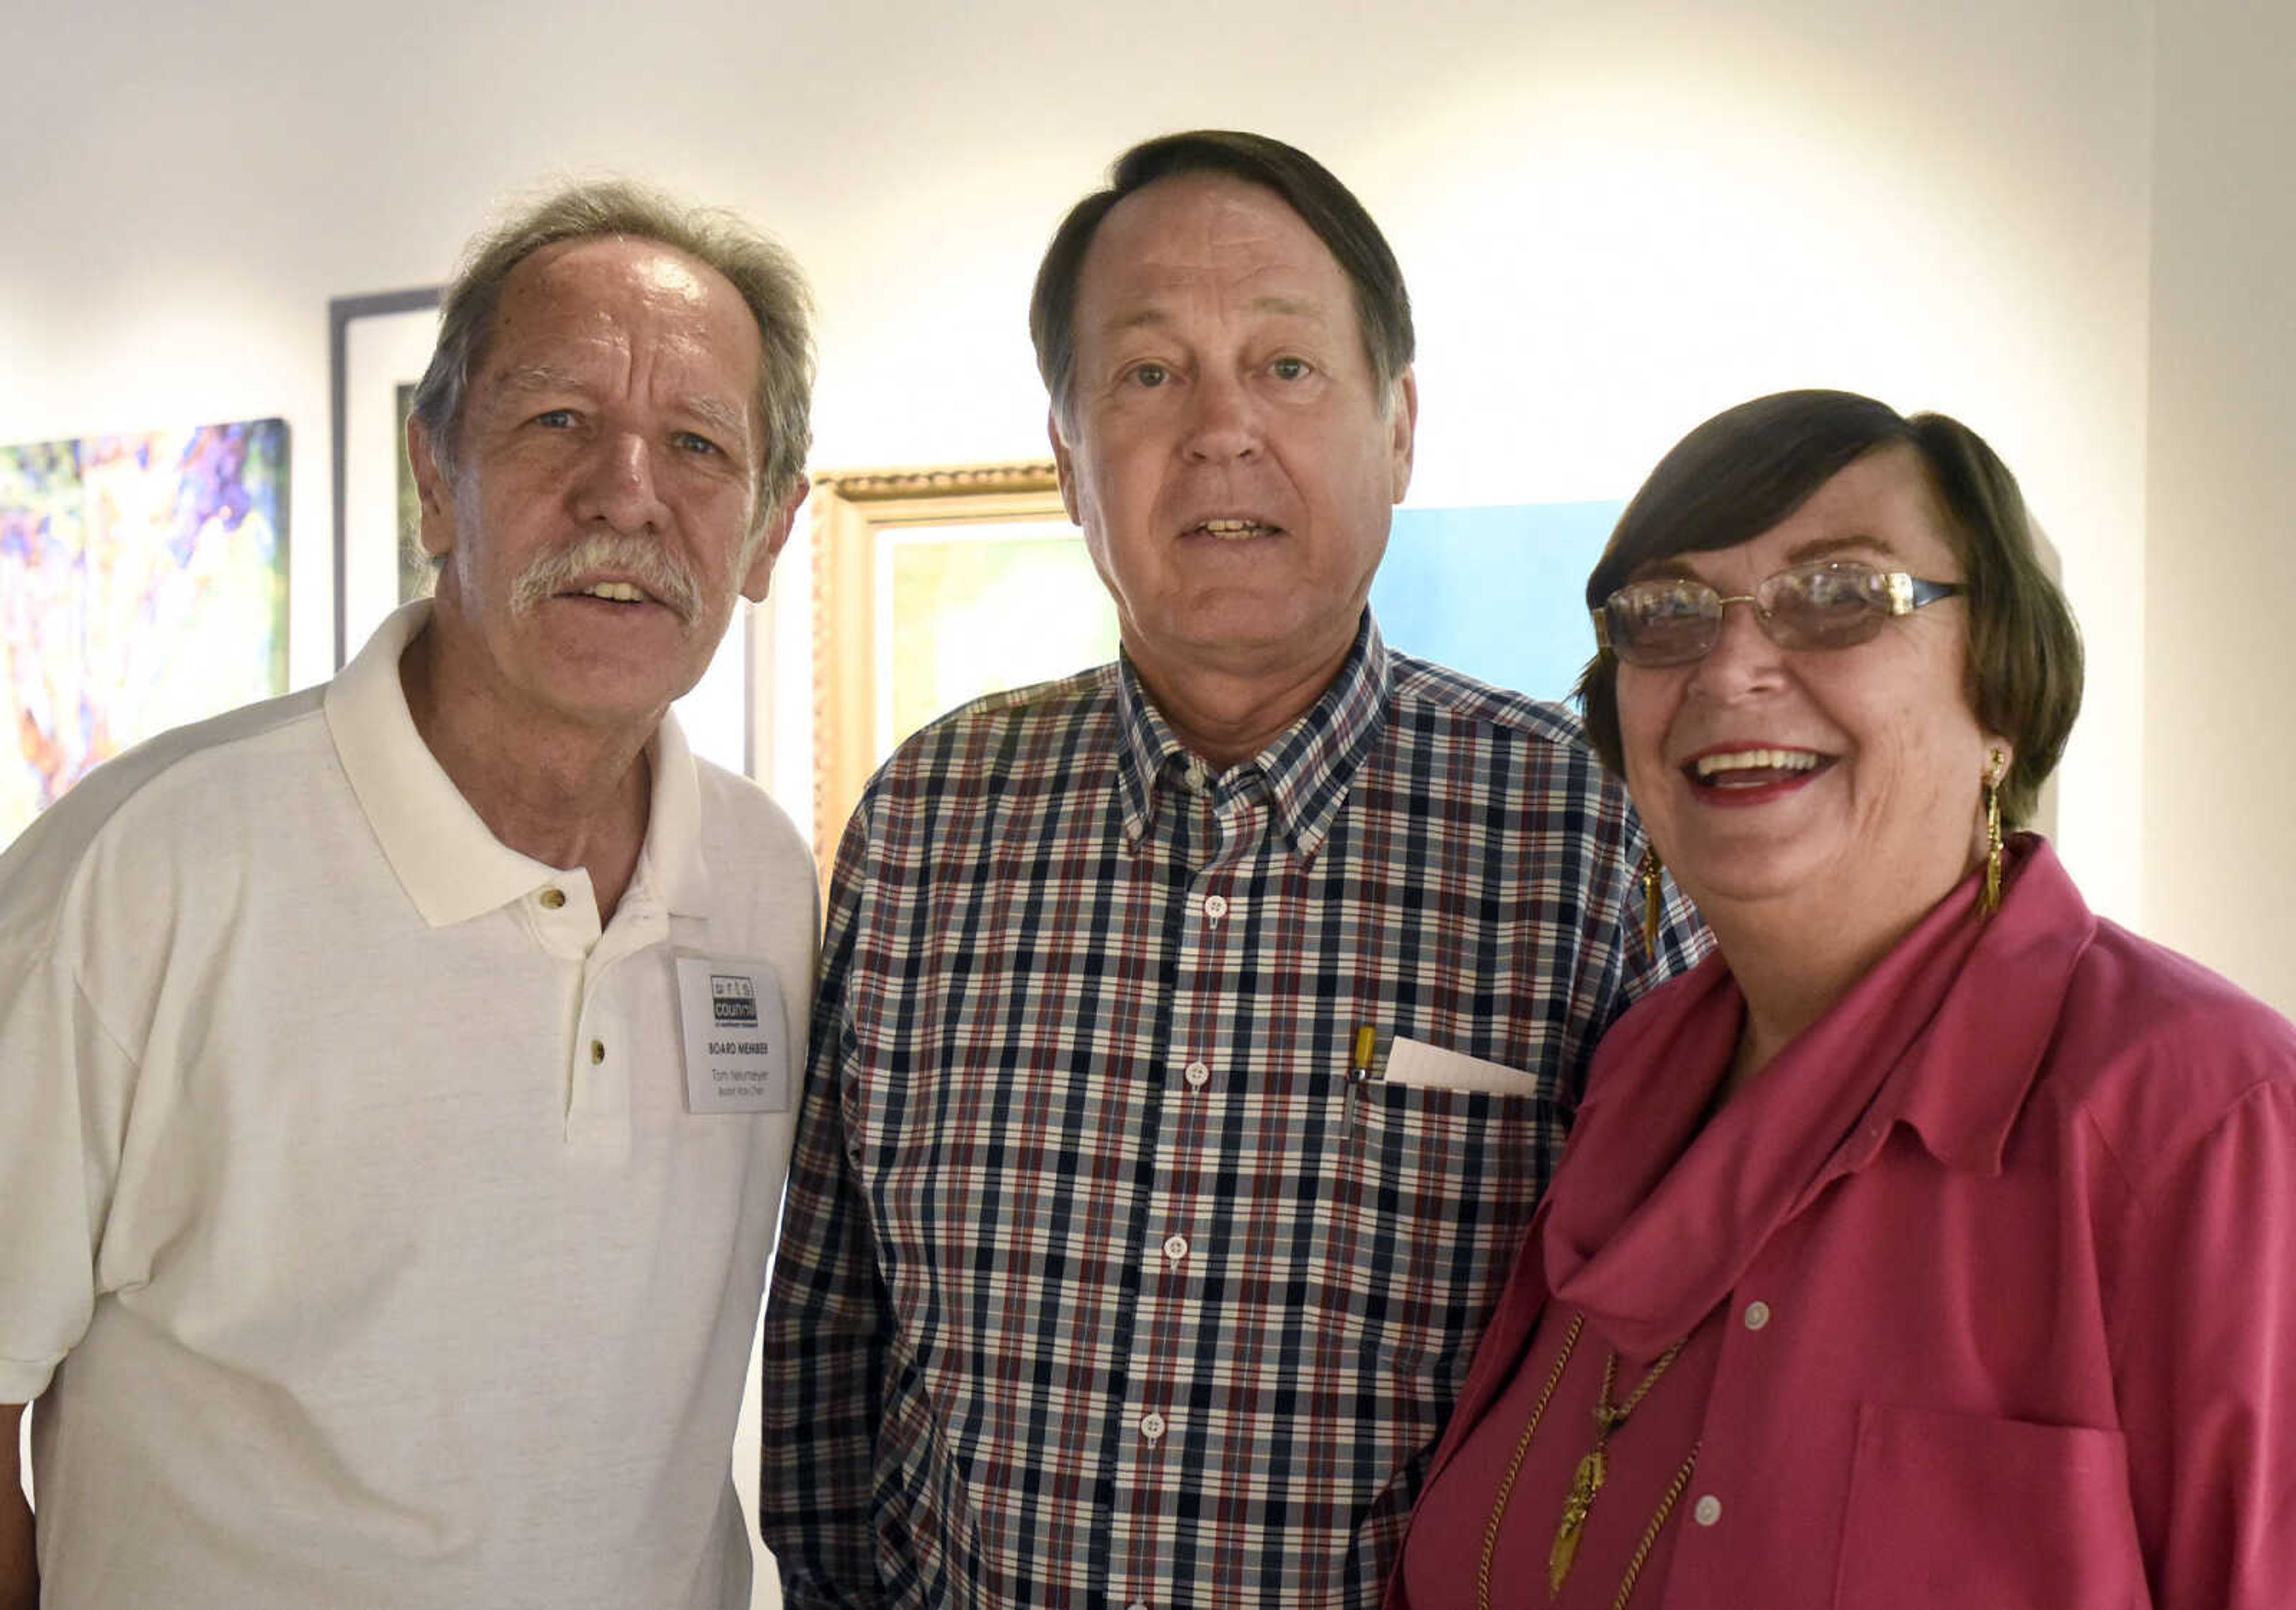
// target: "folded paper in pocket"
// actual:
[[1428, 1068]]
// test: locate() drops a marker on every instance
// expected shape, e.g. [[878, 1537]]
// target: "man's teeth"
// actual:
[[1756, 760], [620, 593], [1233, 528]]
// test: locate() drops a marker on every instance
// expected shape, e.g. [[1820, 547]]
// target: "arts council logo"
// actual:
[[733, 1001]]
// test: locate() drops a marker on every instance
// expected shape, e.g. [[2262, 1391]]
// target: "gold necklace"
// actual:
[[1589, 1477]]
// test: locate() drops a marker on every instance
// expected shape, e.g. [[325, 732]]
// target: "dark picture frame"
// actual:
[[368, 339]]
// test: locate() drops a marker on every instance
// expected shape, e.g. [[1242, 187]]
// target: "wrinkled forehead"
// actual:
[[620, 299], [1207, 234]]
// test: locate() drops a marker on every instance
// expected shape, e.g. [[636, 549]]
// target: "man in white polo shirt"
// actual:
[[394, 1077]]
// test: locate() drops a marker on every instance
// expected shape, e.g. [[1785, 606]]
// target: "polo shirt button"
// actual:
[[1176, 1248], [597, 1052], [1198, 1074], [1708, 1510], [1215, 906], [1151, 1425], [553, 898], [1757, 1314]]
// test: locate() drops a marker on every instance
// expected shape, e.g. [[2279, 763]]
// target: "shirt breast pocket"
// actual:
[[1436, 1187], [1975, 1512]]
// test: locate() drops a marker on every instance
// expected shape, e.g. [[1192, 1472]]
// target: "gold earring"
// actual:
[[1990, 901], [1654, 901]]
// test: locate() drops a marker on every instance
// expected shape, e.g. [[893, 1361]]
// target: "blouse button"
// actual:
[[553, 898], [1757, 1314], [1708, 1510], [597, 1052]]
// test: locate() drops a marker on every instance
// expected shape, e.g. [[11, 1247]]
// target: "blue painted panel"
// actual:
[[1496, 593]]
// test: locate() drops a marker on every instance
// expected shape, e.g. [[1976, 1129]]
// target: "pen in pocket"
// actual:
[[1366, 1043]]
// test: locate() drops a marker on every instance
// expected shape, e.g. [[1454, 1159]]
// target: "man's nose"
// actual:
[[619, 484], [1223, 418]]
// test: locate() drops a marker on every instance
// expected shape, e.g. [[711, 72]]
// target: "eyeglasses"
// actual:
[[1676, 620]]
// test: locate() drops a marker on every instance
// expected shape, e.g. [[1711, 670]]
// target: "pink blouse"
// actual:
[[2000, 1258]]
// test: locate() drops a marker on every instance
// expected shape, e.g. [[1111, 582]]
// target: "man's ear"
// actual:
[[1063, 466], [768, 546], [1403, 431], [433, 491]]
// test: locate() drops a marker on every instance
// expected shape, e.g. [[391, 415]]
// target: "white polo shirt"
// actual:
[[356, 1236]]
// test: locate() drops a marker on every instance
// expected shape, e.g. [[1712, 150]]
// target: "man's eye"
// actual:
[[1289, 369], [555, 419], [698, 444], [1150, 374]]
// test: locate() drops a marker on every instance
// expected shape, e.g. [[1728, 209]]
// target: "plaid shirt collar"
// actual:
[[1306, 772]]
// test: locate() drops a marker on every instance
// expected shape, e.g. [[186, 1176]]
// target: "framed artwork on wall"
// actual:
[[933, 587], [377, 348], [143, 585]]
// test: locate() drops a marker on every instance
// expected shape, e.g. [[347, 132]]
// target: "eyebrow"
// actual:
[[1156, 317], [1801, 553], [713, 411], [1826, 547]]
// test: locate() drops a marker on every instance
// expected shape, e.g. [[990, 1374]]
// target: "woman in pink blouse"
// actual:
[[1934, 1242]]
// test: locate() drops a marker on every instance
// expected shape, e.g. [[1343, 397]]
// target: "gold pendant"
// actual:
[[1584, 1486]]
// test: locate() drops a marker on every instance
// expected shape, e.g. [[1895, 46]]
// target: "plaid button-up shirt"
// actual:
[[1104, 1279]]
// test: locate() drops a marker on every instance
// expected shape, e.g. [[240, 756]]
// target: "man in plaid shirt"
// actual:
[[1195, 1033]]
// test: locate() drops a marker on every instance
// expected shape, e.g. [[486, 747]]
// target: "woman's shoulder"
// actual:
[[2156, 1052]]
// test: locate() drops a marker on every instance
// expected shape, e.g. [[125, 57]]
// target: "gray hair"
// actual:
[[766, 276]]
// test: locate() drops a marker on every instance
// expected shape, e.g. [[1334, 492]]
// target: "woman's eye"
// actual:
[[1289, 369], [555, 419], [1150, 374]]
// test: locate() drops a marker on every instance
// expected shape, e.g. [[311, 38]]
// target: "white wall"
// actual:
[[1615, 219], [2220, 769]]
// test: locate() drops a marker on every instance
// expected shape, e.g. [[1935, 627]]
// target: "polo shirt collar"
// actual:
[[1307, 772], [452, 867]]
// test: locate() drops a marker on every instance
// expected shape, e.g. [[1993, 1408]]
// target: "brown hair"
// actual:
[[1326, 206], [1750, 467]]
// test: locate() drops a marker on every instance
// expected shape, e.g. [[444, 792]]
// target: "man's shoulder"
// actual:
[[172, 773], [1057, 714], [1436, 693], [165, 801], [746, 826]]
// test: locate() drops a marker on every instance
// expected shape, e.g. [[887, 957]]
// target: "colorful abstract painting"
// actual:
[[143, 585]]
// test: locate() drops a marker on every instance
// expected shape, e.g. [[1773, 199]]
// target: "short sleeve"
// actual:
[[65, 1088]]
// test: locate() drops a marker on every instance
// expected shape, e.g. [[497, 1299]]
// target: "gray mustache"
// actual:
[[606, 554]]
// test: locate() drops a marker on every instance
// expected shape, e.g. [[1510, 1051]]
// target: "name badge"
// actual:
[[736, 1036]]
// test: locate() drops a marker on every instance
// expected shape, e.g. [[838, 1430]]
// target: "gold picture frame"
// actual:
[[932, 587]]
